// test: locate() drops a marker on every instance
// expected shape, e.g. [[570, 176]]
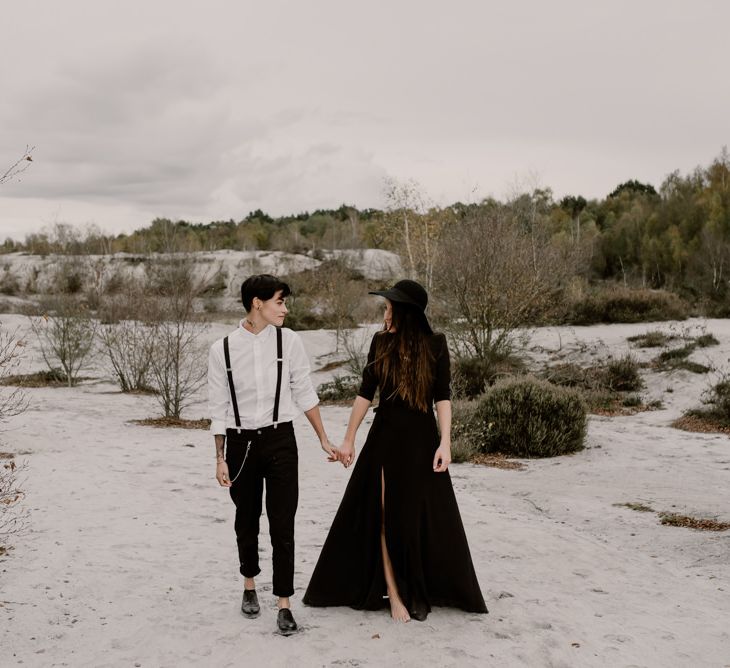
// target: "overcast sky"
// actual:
[[208, 110]]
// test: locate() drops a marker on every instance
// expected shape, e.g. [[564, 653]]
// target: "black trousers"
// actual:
[[272, 457]]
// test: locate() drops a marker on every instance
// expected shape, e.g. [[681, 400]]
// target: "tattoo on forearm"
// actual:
[[220, 441]]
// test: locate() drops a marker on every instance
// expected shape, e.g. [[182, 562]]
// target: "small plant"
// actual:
[[622, 375], [706, 340], [637, 506], [529, 417], [678, 358], [632, 401], [700, 523], [670, 356], [715, 416], [654, 338]]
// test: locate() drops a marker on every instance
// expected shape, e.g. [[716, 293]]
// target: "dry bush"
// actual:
[[9, 283], [12, 518], [71, 275], [66, 334], [129, 338], [715, 416], [467, 430], [328, 297], [129, 346], [622, 304], [622, 374]]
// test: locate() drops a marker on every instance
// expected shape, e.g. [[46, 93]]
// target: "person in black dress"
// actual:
[[398, 531]]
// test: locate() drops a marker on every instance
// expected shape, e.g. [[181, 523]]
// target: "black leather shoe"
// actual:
[[250, 603], [285, 622]]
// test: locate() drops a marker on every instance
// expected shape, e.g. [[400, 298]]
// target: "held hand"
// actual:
[[347, 454], [333, 454], [442, 458], [221, 474]]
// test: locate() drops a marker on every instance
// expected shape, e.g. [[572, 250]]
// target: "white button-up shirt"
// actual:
[[253, 360]]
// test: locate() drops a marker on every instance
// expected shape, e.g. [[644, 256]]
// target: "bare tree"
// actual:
[[129, 343], [338, 293], [497, 276], [178, 363], [415, 227], [66, 335], [13, 402], [12, 520], [19, 166]]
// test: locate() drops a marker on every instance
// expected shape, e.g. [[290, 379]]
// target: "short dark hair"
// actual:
[[263, 286]]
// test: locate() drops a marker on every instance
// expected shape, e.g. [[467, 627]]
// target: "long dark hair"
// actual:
[[404, 359]]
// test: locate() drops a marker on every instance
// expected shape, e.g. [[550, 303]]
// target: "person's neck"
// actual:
[[254, 325]]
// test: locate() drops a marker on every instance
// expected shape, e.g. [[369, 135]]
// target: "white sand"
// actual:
[[130, 559]]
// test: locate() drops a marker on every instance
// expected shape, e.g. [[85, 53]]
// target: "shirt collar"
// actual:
[[263, 334]]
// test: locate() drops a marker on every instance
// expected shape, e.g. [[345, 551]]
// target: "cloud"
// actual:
[[149, 126]]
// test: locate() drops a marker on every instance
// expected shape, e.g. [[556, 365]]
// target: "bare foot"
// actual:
[[398, 611]]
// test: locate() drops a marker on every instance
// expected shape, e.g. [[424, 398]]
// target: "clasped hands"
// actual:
[[345, 454]]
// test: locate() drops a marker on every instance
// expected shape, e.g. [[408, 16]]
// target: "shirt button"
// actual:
[[258, 431]]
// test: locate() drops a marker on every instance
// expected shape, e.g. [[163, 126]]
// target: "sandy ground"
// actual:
[[130, 557]]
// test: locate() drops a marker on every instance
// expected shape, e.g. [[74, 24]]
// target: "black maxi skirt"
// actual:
[[423, 529]]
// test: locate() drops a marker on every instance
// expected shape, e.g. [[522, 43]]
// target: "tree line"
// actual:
[[676, 236]]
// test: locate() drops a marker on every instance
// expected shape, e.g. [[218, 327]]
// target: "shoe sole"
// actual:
[[251, 615]]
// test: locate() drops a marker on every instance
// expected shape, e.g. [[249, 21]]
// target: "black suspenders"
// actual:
[[279, 368]]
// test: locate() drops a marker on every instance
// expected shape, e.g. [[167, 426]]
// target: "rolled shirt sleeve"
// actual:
[[300, 381], [218, 392]]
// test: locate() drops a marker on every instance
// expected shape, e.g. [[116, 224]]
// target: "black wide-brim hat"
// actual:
[[410, 293]]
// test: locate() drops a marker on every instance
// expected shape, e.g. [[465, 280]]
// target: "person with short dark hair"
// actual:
[[258, 381], [398, 532]]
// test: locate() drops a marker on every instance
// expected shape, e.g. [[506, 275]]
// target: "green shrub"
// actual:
[[467, 430], [529, 417], [473, 375], [340, 388], [622, 375], [618, 304]]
